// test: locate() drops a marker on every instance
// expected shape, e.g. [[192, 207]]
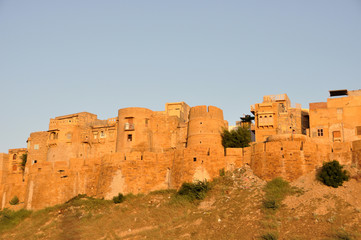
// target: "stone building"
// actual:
[[338, 119], [275, 115]]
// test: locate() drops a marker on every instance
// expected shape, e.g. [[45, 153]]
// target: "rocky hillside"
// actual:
[[234, 208]]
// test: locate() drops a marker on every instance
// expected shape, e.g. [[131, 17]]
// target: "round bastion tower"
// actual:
[[134, 129], [205, 126]]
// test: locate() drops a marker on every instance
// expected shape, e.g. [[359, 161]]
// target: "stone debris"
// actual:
[[244, 178]]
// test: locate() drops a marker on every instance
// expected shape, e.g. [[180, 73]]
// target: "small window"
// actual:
[[194, 159], [53, 136], [130, 138], [358, 130], [36, 147], [95, 134], [14, 157], [336, 136], [102, 134], [68, 135], [129, 120], [320, 132], [35, 161], [146, 122]]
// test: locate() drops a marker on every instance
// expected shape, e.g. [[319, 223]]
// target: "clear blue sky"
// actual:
[[62, 57]]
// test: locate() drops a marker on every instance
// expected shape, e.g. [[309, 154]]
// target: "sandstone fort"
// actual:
[[141, 150]]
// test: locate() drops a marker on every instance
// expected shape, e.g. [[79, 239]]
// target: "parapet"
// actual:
[[287, 137], [318, 105], [275, 98], [133, 111], [206, 112]]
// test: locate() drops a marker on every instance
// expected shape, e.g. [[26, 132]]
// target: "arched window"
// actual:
[[14, 157], [102, 134], [53, 135]]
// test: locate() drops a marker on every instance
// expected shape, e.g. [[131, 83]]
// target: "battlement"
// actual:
[[72, 120], [275, 98], [206, 112]]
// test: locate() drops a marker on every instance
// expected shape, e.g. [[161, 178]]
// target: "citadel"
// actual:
[[141, 150]]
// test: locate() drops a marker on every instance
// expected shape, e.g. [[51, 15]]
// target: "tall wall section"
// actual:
[[49, 183], [356, 154], [288, 158]]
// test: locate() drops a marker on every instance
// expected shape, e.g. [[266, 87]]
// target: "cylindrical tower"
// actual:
[[134, 129], [205, 126]]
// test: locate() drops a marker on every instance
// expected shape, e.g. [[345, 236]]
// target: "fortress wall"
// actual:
[[247, 155], [356, 153], [201, 163], [341, 151], [134, 172], [13, 187], [4, 163], [288, 159], [142, 172], [37, 147], [164, 133], [234, 158]]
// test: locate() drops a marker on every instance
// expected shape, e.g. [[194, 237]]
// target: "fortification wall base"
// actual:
[[48, 183]]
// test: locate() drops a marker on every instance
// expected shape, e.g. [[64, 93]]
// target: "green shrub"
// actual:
[[276, 190], [269, 236], [77, 197], [14, 200], [9, 218], [271, 204], [331, 174], [24, 159], [85, 202], [118, 199], [238, 138], [341, 234], [194, 191], [163, 191], [222, 172]]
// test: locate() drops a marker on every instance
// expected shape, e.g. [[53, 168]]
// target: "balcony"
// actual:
[[129, 127], [85, 139]]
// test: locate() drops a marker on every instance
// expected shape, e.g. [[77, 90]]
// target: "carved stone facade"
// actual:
[[275, 115]]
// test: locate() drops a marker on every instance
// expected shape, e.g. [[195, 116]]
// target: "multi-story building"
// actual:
[[275, 115], [338, 119]]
